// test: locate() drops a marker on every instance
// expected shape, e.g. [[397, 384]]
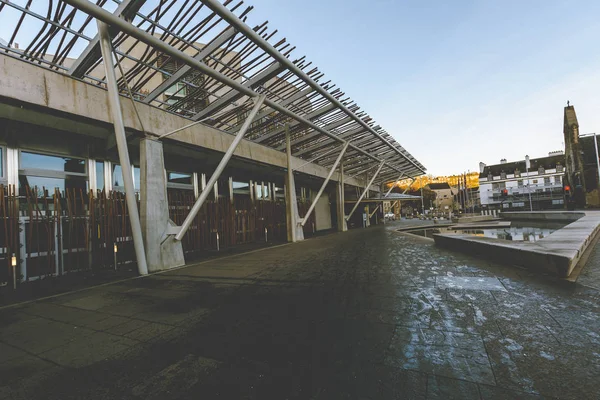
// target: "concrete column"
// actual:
[[342, 225], [294, 230], [154, 210]]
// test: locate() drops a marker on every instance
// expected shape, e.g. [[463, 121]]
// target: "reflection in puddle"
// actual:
[[517, 232]]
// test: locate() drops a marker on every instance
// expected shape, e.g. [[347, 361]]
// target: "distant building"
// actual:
[[444, 195], [543, 184], [468, 200]]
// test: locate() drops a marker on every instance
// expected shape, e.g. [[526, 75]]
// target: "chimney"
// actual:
[[16, 45], [481, 167], [503, 161]]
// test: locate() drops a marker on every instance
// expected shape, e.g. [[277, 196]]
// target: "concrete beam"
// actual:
[[63, 96]]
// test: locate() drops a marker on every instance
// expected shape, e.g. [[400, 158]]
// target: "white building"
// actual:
[[514, 186]]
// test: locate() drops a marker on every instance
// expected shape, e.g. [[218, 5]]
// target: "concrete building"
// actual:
[[444, 200], [510, 185], [192, 149]]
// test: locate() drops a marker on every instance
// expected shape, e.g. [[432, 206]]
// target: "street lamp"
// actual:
[[527, 164]]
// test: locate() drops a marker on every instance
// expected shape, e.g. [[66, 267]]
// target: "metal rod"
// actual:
[[320, 192], [237, 23], [258, 102], [315, 158], [164, 135], [374, 211], [364, 191], [290, 188], [395, 183], [121, 139], [158, 44]]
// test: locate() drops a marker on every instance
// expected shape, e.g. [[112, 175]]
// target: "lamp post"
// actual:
[[422, 205], [528, 188]]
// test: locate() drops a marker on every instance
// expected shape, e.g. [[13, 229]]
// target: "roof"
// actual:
[[535, 163], [215, 82], [438, 186]]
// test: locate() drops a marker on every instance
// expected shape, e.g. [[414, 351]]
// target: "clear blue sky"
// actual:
[[455, 82]]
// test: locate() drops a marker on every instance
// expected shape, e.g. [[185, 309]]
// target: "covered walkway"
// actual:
[[368, 313]]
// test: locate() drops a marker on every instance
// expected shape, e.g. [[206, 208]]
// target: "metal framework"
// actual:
[[201, 60]]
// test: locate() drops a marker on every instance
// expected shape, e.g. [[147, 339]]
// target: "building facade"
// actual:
[[513, 186], [444, 196]]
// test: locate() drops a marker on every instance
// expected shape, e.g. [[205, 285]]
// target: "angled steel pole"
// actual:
[[258, 102], [331, 171], [365, 191], [121, 139], [145, 37], [395, 183], [237, 23], [412, 180], [290, 190]]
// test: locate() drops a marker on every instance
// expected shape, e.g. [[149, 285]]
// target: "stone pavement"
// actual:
[[367, 314]]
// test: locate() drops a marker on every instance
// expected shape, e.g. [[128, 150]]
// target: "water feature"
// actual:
[[518, 231]]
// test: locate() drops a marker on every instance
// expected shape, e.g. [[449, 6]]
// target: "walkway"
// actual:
[[368, 314]]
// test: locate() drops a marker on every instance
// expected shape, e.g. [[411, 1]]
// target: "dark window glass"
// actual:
[[38, 184], [177, 177], [52, 163], [100, 175], [117, 175], [1, 161]]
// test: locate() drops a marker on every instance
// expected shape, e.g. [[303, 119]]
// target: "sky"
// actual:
[[455, 82]]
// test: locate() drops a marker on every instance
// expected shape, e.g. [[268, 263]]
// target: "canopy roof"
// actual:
[[237, 62]]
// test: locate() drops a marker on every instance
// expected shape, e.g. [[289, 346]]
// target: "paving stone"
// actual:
[[451, 354], [8, 353], [87, 351], [442, 388], [364, 314]]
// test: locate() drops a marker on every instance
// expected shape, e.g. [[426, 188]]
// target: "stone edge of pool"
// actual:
[[557, 254]]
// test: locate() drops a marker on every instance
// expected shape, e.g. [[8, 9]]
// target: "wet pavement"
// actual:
[[367, 314]]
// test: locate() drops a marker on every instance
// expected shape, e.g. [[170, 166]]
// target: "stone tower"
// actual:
[[573, 160]]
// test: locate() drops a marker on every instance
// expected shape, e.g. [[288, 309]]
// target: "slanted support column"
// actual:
[[294, 230], [121, 139], [324, 185], [162, 250], [393, 185], [365, 191], [258, 102], [341, 216]]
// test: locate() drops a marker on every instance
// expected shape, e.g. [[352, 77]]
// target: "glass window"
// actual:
[[52, 163], [558, 179], [39, 184], [535, 181], [1, 161], [241, 187], [117, 175], [520, 182], [546, 180], [100, 175], [136, 178], [178, 177]]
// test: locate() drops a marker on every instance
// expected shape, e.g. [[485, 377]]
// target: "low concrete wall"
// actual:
[[541, 216], [556, 254], [476, 218]]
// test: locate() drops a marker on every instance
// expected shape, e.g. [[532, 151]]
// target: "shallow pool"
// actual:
[[517, 232]]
